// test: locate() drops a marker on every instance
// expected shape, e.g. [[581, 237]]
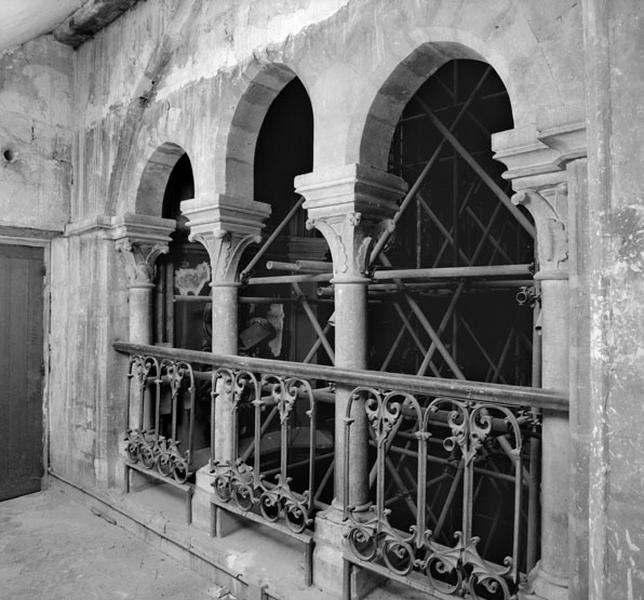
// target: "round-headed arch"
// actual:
[[155, 177], [262, 84], [373, 136]]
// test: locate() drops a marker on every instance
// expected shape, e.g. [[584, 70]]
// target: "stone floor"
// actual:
[[52, 548]]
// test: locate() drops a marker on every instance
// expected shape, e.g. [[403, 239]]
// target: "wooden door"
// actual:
[[21, 370]]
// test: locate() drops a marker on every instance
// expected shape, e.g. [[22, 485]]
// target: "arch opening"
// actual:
[[479, 253]]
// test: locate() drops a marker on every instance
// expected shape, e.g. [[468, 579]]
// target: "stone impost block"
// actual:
[[350, 189], [141, 228], [224, 214], [537, 158]]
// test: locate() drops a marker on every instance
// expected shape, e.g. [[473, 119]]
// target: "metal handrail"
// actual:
[[508, 395]]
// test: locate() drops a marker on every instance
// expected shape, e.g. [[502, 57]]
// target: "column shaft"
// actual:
[[351, 353], [224, 341], [556, 437], [140, 312]]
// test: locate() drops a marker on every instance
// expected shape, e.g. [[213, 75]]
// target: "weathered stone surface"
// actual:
[[36, 82], [89, 19], [612, 252]]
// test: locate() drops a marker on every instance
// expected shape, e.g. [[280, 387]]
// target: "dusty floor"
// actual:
[[52, 548]]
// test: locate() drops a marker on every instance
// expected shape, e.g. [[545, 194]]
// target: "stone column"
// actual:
[[140, 240], [226, 227], [537, 160], [349, 206], [550, 577]]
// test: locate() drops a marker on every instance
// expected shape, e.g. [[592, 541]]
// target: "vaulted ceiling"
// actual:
[[72, 21], [23, 20]]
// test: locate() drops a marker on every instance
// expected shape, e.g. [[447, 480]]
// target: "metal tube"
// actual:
[[271, 238], [382, 240], [467, 157], [310, 314], [451, 272]]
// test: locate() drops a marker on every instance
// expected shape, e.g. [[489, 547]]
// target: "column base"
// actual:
[[544, 586], [226, 522], [327, 557]]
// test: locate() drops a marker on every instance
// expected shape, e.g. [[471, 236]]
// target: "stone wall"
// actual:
[[613, 247], [35, 134]]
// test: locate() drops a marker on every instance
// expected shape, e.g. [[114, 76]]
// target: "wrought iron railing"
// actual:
[[154, 443], [453, 471], [460, 452], [273, 468]]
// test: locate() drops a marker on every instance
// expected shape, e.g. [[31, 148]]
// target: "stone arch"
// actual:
[[396, 91], [154, 178], [262, 84]]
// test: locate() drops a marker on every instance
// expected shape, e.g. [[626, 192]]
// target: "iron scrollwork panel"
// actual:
[[246, 485], [470, 429], [145, 444]]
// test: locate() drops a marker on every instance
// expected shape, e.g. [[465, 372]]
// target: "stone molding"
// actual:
[[538, 158], [225, 226], [350, 206]]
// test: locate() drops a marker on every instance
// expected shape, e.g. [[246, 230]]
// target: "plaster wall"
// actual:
[[35, 117]]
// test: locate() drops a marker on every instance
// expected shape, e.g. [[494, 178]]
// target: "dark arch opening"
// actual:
[[273, 322], [284, 149], [183, 273], [457, 221]]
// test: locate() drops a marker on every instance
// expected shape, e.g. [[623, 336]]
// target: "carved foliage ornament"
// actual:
[[139, 259], [350, 238], [225, 250], [548, 209]]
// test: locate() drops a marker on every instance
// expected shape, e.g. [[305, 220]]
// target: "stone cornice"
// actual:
[[537, 158]]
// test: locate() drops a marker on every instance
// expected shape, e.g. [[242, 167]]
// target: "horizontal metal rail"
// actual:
[[430, 273], [508, 395]]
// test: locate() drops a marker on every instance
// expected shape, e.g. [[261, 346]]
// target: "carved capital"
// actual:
[[139, 259], [350, 206], [549, 210], [226, 226], [350, 239], [225, 249], [140, 240]]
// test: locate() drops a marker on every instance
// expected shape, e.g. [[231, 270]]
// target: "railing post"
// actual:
[[226, 227], [349, 205], [537, 167], [140, 240]]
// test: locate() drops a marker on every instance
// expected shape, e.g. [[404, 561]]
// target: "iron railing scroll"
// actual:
[[283, 408], [451, 442], [155, 445]]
